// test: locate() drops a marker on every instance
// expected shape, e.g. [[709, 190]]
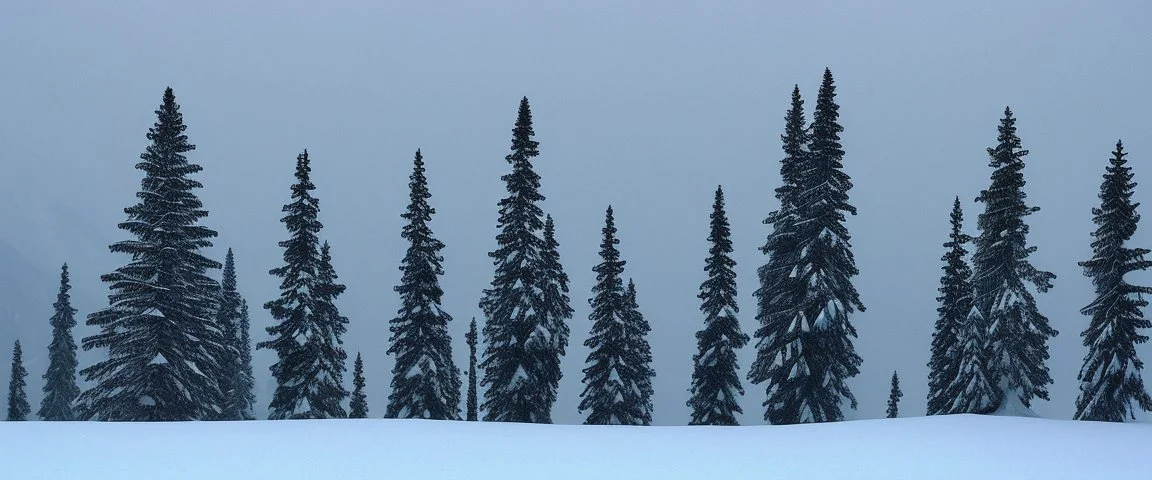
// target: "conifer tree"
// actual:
[[1110, 385], [245, 396], [60, 390], [522, 345], [1017, 332], [715, 382], [955, 305], [358, 407], [554, 314], [159, 330], [470, 337], [306, 339], [894, 397], [18, 408], [228, 319], [618, 366], [971, 391], [425, 381]]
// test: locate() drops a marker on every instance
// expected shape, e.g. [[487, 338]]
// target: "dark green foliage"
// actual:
[[425, 381], [228, 320], [549, 344], [715, 382], [18, 408], [1110, 385], [470, 337], [358, 407], [245, 395], [1017, 332], [894, 397], [159, 331], [60, 390]]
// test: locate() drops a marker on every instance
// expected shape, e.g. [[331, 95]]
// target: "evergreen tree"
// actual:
[[358, 407], [228, 319], [18, 408], [245, 396], [521, 346], [715, 383], [894, 397], [470, 337], [60, 390], [617, 379], [306, 340], [1110, 385], [955, 305], [162, 342], [1017, 332], [972, 390], [550, 343], [425, 381]]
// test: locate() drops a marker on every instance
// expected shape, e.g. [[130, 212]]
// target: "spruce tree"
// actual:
[[618, 366], [162, 342], [550, 343], [894, 397], [425, 381], [971, 391], [228, 319], [18, 408], [245, 395], [306, 339], [955, 305], [358, 407], [470, 337], [1017, 332], [715, 382], [521, 341], [60, 390], [1110, 385]]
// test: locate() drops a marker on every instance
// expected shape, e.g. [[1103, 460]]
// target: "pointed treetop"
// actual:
[[523, 146]]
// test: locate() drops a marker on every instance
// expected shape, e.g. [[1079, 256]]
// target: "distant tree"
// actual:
[[638, 329], [715, 382], [894, 397], [228, 320], [425, 381], [1110, 385], [60, 390], [306, 340], [18, 408], [245, 396], [163, 345], [955, 305], [470, 337], [1018, 333], [358, 407]]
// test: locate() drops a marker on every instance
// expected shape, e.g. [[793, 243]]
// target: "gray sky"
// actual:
[[647, 109]]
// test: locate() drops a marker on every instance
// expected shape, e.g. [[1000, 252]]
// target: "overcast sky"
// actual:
[[646, 106]]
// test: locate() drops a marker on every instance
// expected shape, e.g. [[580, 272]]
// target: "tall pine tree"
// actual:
[[245, 395], [894, 397], [18, 408], [228, 319], [310, 362], [952, 314], [618, 367], [521, 345], [473, 408], [1017, 333], [425, 381], [1110, 385], [358, 407], [162, 342], [716, 384], [550, 343], [60, 390]]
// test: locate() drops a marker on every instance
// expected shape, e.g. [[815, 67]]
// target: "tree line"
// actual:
[[178, 345]]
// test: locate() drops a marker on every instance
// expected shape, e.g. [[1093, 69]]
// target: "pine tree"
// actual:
[[306, 340], [470, 337], [554, 314], [228, 319], [955, 306], [1017, 332], [715, 382], [894, 397], [358, 407], [60, 390], [425, 381], [18, 408], [971, 391], [245, 396], [1110, 385], [618, 366], [517, 360], [162, 342]]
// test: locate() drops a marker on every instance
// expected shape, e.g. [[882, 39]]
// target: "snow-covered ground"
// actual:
[[961, 446]]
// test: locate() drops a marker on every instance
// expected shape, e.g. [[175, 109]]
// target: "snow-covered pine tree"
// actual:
[[554, 313], [516, 374], [638, 329], [309, 363], [971, 391], [358, 407], [18, 408], [716, 386], [1110, 385], [60, 390], [245, 396], [894, 397], [1017, 333], [473, 408], [425, 381], [159, 330], [955, 306], [779, 337], [228, 319]]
